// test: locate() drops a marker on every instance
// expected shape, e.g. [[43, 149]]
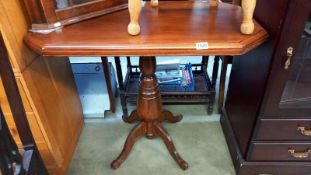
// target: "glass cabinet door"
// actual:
[[297, 90], [288, 91]]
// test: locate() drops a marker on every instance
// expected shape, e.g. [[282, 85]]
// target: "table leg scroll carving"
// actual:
[[170, 146], [134, 8], [169, 117], [132, 118], [134, 135], [149, 114], [248, 7]]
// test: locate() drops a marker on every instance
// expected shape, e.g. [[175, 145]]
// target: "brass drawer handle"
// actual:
[[299, 154], [304, 131], [289, 57]]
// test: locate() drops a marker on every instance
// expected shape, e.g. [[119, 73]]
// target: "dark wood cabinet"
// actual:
[[267, 114]]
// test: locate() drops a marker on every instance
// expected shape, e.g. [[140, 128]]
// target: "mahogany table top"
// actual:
[[173, 28]]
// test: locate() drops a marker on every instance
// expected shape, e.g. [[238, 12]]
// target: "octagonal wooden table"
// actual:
[[174, 28]]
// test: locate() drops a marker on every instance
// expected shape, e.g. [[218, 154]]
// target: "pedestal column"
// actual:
[[149, 115]]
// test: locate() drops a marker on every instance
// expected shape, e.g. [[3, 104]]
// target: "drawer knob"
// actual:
[[304, 131], [97, 68], [299, 154]]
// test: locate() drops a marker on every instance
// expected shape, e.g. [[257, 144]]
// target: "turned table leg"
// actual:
[[154, 3], [149, 115], [248, 7], [134, 8]]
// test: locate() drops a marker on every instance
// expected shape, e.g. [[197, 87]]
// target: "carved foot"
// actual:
[[169, 117], [170, 146], [133, 136], [132, 118]]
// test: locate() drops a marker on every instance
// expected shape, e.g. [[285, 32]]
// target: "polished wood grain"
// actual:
[[60, 118], [149, 115], [173, 28]]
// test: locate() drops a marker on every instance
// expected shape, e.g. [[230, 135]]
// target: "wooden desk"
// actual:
[[172, 29]]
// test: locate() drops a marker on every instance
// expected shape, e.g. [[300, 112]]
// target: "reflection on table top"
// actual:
[[174, 28]]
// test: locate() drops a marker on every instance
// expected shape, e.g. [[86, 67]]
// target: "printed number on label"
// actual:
[[201, 45]]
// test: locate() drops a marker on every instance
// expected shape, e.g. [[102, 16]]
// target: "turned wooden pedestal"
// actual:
[[149, 115]]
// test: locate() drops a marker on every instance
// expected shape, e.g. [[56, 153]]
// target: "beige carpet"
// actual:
[[198, 138]]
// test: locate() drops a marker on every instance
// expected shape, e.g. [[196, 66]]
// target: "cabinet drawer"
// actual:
[[284, 130], [286, 151]]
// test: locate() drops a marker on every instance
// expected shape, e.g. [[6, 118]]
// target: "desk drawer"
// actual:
[[286, 151], [284, 130]]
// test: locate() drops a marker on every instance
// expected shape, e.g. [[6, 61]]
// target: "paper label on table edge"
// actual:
[[201, 45]]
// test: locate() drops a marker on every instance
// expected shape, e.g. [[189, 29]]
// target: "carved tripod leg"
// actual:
[[169, 117], [132, 118], [248, 7], [134, 8], [154, 3], [170, 145], [214, 3], [133, 136]]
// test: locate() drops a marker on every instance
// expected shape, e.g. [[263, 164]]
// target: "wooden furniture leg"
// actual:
[[154, 3], [108, 83], [133, 136], [170, 146], [150, 114], [134, 8], [169, 117], [213, 90], [121, 87], [214, 3], [248, 7], [132, 118], [225, 61]]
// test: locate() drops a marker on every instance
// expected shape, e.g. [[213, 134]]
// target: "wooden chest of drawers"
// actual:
[[267, 115], [284, 129]]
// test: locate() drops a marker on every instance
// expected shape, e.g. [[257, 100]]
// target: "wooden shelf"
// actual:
[[174, 94], [173, 28]]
